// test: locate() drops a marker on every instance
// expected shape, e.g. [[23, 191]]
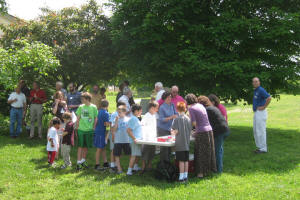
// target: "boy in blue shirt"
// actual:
[[120, 136], [134, 131], [99, 137]]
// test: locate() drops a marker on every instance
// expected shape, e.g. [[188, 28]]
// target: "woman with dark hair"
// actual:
[[167, 113], [216, 102], [219, 126], [204, 149]]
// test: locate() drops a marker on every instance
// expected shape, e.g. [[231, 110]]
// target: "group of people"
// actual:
[[204, 118]]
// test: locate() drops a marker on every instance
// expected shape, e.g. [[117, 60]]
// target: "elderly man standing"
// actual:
[[261, 100], [37, 98], [159, 90], [73, 98], [17, 101]]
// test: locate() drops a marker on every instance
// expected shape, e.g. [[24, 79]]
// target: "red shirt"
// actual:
[[40, 94]]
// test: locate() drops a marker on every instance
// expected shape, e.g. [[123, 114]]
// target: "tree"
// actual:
[[3, 6], [209, 46], [80, 39]]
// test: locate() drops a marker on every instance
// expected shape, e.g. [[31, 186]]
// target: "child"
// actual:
[[99, 139], [67, 139], [149, 133], [120, 136], [52, 140], [134, 131], [86, 122], [111, 145], [182, 128]]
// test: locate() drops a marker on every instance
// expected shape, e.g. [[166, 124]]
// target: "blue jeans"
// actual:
[[16, 115], [219, 141]]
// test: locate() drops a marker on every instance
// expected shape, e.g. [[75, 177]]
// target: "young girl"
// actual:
[[67, 139], [52, 140], [182, 128]]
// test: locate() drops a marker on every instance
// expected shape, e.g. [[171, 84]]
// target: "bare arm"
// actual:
[[11, 101], [130, 133]]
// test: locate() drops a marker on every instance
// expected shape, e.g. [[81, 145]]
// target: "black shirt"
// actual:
[[217, 120], [25, 90], [67, 139]]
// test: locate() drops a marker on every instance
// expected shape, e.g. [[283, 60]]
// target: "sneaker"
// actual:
[[63, 166], [99, 168], [53, 165], [259, 151], [84, 165], [78, 167], [106, 165], [129, 174]]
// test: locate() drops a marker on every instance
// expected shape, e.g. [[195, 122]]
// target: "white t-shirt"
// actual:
[[52, 133], [125, 100], [149, 127], [159, 94], [21, 99]]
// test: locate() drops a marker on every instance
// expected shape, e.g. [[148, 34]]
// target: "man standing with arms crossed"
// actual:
[[261, 100]]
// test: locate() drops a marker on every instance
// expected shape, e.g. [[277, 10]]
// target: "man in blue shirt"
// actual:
[[73, 98], [261, 100]]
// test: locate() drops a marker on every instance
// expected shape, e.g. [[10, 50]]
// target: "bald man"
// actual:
[[261, 100]]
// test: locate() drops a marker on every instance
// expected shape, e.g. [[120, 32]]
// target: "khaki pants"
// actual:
[[66, 149], [36, 114]]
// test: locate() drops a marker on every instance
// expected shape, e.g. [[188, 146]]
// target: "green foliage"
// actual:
[[80, 40], [209, 46], [3, 6]]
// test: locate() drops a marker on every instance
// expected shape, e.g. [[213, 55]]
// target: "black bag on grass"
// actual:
[[166, 171]]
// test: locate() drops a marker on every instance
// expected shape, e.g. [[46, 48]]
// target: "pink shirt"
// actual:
[[223, 111], [174, 100]]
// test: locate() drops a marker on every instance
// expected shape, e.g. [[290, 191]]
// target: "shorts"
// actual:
[[182, 156], [148, 152], [85, 139], [136, 149], [99, 141], [119, 147]]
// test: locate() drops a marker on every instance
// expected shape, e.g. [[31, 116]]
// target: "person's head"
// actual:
[[126, 83], [102, 91], [120, 103], [191, 99], [22, 83], [95, 89], [166, 97], [35, 85], [127, 92], [104, 104], [153, 107], [18, 89], [255, 82], [71, 87], [122, 111], [174, 91], [214, 99], [67, 117], [181, 107], [59, 95], [136, 110], [121, 87], [204, 100], [55, 122], [86, 98], [59, 85], [158, 86]]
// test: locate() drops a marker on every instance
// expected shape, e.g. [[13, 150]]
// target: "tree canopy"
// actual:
[[209, 46]]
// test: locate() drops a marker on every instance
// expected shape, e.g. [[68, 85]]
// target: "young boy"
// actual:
[[134, 131], [182, 128], [52, 143], [149, 133], [120, 136], [109, 136], [67, 139], [99, 138], [86, 122]]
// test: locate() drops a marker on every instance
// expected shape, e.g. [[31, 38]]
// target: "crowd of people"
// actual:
[[85, 116]]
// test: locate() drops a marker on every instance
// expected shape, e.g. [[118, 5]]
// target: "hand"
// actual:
[[57, 101], [34, 95], [15, 100], [135, 141], [261, 108], [174, 116]]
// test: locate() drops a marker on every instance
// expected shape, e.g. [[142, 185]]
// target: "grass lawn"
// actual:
[[276, 175]]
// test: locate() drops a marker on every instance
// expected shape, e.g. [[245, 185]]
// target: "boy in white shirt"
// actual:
[[52, 140], [149, 133]]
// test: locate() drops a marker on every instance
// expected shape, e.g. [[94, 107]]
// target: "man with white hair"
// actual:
[[127, 94], [159, 90], [175, 97], [261, 100], [59, 87]]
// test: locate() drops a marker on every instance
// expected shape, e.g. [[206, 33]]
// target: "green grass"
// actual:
[[275, 175]]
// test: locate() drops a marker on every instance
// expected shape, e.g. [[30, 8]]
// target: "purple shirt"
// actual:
[[223, 111], [198, 114]]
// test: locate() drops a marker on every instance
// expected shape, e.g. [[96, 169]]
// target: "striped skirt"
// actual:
[[204, 150]]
